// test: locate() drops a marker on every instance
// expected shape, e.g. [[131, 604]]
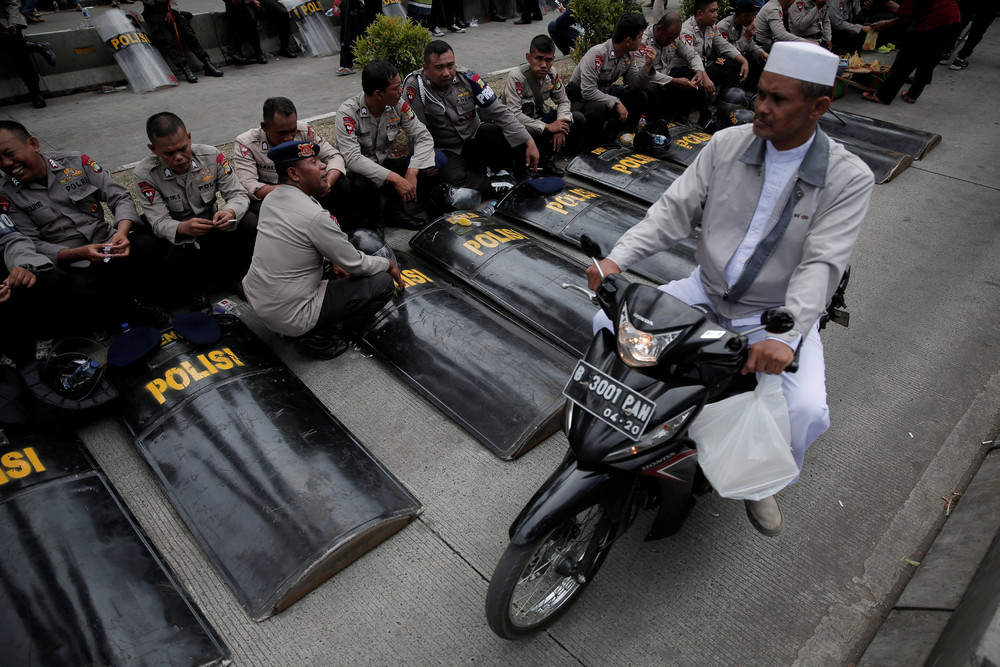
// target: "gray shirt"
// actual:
[[845, 15], [806, 19], [519, 98], [747, 46], [706, 45], [255, 170], [599, 69], [770, 26]]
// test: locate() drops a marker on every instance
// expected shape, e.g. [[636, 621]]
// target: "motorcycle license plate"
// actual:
[[624, 409]]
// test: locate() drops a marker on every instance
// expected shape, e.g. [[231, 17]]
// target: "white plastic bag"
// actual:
[[744, 442]]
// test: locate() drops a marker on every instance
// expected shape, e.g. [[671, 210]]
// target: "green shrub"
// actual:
[[394, 39], [598, 19], [687, 8]]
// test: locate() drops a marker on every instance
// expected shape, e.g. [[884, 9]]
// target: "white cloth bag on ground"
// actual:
[[744, 442]]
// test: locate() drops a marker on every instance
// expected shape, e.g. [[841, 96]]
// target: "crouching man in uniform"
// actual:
[[780, 206], [178, 185], [287, 285]]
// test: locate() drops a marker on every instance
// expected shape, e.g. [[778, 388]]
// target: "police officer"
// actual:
[[660, 45], [54, 199], [256, 171], [847, 25], [168, 27], [178, 185], [592, 89], [16, 47], [536, 96], [707, 45], [738, 29], [287, 285], [810, 19], [771, 24], [470, 125], [28, 292], [366, 127]]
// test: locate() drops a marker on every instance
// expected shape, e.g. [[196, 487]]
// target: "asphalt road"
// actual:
[[913, 391]]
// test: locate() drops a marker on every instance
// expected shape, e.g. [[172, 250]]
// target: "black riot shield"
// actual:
[[510, 268], [495, 379], [80, 582], [641, 176], [686, 141], [278, 493], [885, 164], [571, 213], [888, 136]]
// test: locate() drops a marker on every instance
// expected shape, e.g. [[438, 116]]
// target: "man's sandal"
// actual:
[[872, 97], [345, 71], [909, 100]]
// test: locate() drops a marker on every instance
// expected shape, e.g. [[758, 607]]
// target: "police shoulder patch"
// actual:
[[244, 151], [407, 111], [598, 62], [411, 92], [4, 205], [349, 125], [519, 88], [226, 167], [147, 190], [88, 161], [6, 225]]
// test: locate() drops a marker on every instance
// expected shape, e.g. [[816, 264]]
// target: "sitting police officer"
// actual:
[[54, 199], [28, 290], [367, 125], [178, 184], [256, 171], [287, 285], [474, 130]]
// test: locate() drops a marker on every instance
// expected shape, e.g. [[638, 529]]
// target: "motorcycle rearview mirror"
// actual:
[[777, 320]]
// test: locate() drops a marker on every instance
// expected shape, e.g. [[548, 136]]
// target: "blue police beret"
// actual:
[[135, 344], [546, 186], [293, 151], [197, 327]]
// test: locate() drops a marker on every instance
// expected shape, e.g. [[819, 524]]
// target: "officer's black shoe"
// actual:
[[199, 302], [285, 52], [150, 315], [38, 101], [238, 59], [499, 18], [522, 22], [189, 75], [402, 219], [44, 50], [212, 70], [549, 167], [320, 347], [260, 59]]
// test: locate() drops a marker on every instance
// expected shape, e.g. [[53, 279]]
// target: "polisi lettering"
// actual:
[[413, 277], [305, 9], [125, 39], [492, 239], [572, 198], [633, 161], [15, 465], [692, 138], [184, 374]]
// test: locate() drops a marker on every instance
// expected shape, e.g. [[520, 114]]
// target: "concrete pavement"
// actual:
[[913, 389]]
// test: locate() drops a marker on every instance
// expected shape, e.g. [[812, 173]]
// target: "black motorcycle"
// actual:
[[630, 402]]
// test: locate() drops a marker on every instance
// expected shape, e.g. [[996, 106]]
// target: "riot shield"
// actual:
[[515, 271], [885, 164], [686, 141], [569, 214], [134, 52], [275, 489], [393, 8], [495, 379], [80, 582], [311, 28], [888, 136], [621, 170]]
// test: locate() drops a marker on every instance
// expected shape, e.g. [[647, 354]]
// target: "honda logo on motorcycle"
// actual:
[[661, 469]]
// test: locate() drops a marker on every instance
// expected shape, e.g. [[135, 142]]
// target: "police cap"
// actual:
[[293, 151]]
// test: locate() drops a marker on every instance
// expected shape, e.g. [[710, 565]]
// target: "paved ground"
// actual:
[[913, 391]]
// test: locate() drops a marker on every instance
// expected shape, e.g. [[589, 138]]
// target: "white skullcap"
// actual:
[[804, 61]]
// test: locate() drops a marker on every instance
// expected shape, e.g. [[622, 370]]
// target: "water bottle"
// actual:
[[329, 12], [125, 327], [88, 22], [107, 253], [642, 121], [55, 6], [489, 209], [78, 378]]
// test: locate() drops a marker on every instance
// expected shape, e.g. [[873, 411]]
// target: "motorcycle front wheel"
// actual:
[[534, 584]]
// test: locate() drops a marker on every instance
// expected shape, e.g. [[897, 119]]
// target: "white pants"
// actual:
[[805, 390]]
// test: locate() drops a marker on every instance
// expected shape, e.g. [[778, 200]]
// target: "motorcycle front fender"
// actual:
[[567, 491]]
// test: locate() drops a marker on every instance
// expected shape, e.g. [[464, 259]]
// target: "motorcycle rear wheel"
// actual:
[[527, 593]]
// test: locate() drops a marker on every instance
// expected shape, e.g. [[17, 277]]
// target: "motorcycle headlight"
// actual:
[[639, 348], [653, 437]]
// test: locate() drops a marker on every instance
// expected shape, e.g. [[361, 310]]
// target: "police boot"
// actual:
[[188, 74], [237, 58], [43, 49], [400, 218], [212, 70]]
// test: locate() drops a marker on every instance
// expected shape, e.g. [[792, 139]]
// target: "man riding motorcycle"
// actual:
[[780, 206]]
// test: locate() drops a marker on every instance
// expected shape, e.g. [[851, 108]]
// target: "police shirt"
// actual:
[[807, 20], [735, 36], [64, 210], [706, 45], [453, 116], [769, 26], [10, 15], [520, 99], [664, 54], [255, 170], [17, 249], [169, 198], [366, 141], [842, 13], [599, 69]]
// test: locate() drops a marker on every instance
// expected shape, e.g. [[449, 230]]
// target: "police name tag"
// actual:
[[618, 406]]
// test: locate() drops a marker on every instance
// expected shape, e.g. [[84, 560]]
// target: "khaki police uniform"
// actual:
[[517, 95], [594, 93], [748, 47], [664, 55], [770, 26], [255, 170], [843, 14], [169, 198], [64, 210], [366, 141], [706, 46], [806, 19], [17, 249]]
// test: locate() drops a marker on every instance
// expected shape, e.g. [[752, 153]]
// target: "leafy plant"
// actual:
[[395, 39], [687, 8], [598, 19]]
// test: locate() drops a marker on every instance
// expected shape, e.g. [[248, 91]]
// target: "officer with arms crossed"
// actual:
[[367, 125], [707, 46], [660, 46], [780, 206], [55, 200], [178, 185], [287, 285], [470, 125]]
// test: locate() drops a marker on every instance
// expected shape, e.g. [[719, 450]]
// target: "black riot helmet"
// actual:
[[729, 100], [371, 242], [653, 139], [741, 117]]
